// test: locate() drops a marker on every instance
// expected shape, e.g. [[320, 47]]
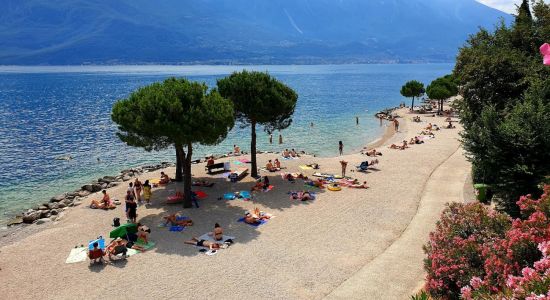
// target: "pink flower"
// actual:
[[466, 292], [476, 282]]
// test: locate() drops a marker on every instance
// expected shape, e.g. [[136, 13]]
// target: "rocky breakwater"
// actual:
[[54, 208]]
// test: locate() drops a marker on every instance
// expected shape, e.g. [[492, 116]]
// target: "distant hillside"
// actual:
[[237, 31]]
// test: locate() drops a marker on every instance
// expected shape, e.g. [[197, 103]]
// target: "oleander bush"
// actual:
[[478, 253]]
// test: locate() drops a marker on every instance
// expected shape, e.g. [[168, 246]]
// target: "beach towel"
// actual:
[[177, 228], [244, 161], [147, 246], [229, 196], [200, 194], [269, 188], [100, 241], [237, 162], [304, 167], [77, 255], [262, 222]]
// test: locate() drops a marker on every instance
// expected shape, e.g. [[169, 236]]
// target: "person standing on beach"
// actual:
[[147, 192], [131, 189], [132, 209], [271, 138], [138, 187], [344, 165], [396, 124], [280, 138], [356, 120], [341, 147]]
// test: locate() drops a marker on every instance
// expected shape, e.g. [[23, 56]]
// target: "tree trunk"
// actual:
[[179, 162], [187, 203], [412, 105], [254, 165]]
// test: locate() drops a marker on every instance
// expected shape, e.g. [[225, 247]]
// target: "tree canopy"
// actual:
[[413, 89], [441, 89], [178, 113], [259, 99], [505, 104]]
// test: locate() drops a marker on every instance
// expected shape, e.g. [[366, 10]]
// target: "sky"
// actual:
[[508, 6]]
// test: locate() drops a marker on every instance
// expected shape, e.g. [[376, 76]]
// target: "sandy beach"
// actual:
[[343, 245]]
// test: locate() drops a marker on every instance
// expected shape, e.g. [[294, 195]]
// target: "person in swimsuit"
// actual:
[[132, 209], [173, 220], [269, 166], [277, 163], [306, 196], [203, 243], [344, 165], [138, 188], [265, 183], [147, 192], [164, 179], [236, 149], [341, 147], [217, 234]]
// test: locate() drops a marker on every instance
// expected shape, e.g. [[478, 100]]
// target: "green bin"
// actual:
[[481, 191]]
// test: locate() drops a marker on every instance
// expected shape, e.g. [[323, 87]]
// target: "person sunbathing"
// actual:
[[293, 153], [269, 166], [417, 140], [286, 153], [411, 141], [359, 186], [450, 126], [373, 152], [277, 163], [257, 187], [143, 233], [173, 220], [164, 179], [307, 196], [116, 247], [256, 217], [217, 234], [429, 127], [313, 166], [210, 161], [203, 243]]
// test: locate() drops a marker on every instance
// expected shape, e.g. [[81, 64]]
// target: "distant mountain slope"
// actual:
[[236, 31]]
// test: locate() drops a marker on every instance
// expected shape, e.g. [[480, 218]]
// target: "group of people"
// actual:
[[273, 166], [120, 246], [290, 154], [261, 185]]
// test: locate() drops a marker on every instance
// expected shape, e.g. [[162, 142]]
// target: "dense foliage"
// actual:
[[478, 253], [176, 113], [412, 89], [506, 105], [259, 99]]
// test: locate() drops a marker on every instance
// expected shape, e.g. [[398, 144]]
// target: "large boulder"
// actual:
[[58, 198], [107, 179], [45, 214], [83, 193], [42, 221], [54, 205], [126, 178], [112, 184], [62, 205], [30, 217], [88, 187]]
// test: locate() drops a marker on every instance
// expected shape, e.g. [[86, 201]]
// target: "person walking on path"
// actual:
[[341, 147], [396, 124], [344, 166]]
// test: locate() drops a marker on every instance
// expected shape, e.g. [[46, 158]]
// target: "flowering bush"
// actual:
[[455, 248], [477, 253]]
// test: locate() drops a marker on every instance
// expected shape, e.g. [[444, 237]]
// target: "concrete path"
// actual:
[[398, 272]]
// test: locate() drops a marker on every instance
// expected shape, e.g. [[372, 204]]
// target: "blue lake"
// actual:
[[47, 112]]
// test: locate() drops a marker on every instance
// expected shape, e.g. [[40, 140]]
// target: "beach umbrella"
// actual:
[[123, 230]]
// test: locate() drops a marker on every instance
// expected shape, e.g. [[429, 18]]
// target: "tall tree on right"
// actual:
[[413, 89], [259, 99]]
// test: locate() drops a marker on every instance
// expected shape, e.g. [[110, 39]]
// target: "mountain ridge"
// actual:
[[237, 31]]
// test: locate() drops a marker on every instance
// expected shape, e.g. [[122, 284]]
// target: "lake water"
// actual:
[[47, 112]]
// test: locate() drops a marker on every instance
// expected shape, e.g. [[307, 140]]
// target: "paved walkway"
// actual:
[[398, 271]]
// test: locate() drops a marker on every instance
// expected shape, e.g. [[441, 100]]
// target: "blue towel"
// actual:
[[181, 218], [100, 241], [229, 196], [245, 194], [262, 222], [177, 228]]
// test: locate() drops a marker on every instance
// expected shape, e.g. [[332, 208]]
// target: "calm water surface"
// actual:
[[47, 112]]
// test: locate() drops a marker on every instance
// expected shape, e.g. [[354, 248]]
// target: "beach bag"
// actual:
[[116, 222]]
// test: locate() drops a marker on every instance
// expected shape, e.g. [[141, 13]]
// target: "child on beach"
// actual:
[[147, 192]]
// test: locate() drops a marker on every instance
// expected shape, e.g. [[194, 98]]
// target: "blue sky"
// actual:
[[504, 5]]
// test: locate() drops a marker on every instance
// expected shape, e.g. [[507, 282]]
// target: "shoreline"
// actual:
[[8, 234], [386, 209]]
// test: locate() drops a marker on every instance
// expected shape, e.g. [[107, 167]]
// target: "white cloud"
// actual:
[[508, 6]]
